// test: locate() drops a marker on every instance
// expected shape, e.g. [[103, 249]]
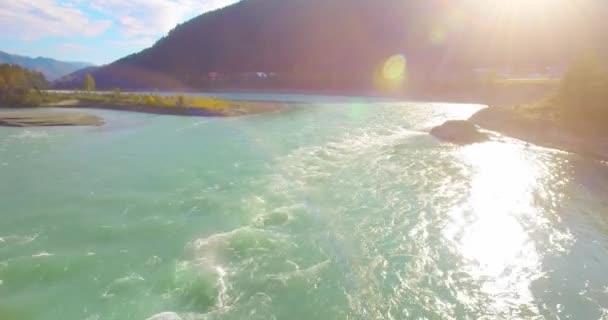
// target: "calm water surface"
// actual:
[[340, 209]]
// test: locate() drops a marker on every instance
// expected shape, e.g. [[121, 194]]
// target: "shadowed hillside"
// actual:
[[343, 44]]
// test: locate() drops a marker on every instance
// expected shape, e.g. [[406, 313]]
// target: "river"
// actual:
[[340, 208]]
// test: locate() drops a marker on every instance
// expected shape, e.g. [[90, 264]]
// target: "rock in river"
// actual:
[[459, 132]]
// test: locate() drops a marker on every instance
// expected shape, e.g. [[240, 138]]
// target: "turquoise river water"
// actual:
[[341, 208]]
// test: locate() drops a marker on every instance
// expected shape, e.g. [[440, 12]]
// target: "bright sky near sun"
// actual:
[[97, 31]]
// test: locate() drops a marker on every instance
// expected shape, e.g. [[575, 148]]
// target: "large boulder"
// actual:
[[459, 132]]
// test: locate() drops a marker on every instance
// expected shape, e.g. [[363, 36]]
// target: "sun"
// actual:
[[522, 10]]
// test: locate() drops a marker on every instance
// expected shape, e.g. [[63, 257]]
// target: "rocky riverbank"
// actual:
[[545, 130], [542, 127], [459, 132]]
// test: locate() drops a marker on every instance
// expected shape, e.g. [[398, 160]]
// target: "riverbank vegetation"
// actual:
[[580, 103], [117, 98], [583, 96], [158, 104], [572, 118], [21, 87]]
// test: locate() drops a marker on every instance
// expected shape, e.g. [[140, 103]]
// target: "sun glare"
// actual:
[[520, 11], [488, 231]]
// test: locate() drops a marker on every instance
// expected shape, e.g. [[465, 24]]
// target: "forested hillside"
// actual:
[[344, 43]]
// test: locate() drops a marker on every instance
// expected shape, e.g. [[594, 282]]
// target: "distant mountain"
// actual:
[[51, 68], [343, 43]]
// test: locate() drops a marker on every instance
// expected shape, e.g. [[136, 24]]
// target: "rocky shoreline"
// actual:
[[542, 131], [459, 132], [546, 132]]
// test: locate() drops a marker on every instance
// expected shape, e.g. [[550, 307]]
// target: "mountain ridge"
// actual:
[[343, 43], [51, 68]]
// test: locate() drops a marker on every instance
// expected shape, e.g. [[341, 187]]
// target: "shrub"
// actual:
[[116, 94], [32, 99], [150, 100], [181, 101]]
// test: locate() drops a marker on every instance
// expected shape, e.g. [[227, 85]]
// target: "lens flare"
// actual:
[[391, 75], [437, 35], [395, 68]]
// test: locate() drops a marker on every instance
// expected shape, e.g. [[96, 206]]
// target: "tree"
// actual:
[[89, 83], [19, 86], [584, 90], [181, 101]]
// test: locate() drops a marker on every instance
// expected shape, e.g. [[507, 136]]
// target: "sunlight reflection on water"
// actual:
[[493, 229]]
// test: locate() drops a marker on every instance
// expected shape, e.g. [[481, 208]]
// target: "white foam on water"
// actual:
[[209, 272], [154, 260], [223, 288], [165, 316], [121, 284], [386, 154], [42, 255], [220, 243], [18, 239], [134, 277], [308, 274], [223, 258], [29, 134], [300, 172], [193, 126], [308, 166]]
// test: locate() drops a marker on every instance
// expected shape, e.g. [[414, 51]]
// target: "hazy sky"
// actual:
[[97, 31]]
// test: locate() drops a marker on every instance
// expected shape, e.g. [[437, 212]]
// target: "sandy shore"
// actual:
[[35, 117], [40, 118]]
